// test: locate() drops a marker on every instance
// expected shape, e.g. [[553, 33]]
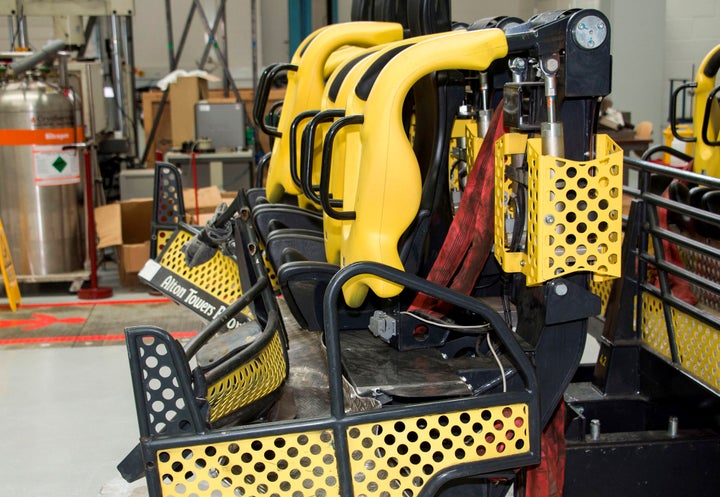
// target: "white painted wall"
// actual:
[[638, 34]]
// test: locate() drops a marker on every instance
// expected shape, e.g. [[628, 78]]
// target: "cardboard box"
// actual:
[[162, 142], [209, 197], [184, 94], [125, 225]]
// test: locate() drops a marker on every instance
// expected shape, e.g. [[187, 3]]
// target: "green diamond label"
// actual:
[[59, 164], [54, 165]]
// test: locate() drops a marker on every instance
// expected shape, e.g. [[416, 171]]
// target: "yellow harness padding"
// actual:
[[338, 58], [305, 87], [389, 183], [707, 158], [347, 148], [332, 228]]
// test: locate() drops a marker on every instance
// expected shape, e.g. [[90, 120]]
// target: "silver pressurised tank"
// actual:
[[40, 191]]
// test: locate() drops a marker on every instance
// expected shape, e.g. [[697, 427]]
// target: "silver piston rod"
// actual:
[[551, 132]]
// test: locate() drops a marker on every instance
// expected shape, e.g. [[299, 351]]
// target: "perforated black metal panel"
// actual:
[[162, 382], [168, 206]]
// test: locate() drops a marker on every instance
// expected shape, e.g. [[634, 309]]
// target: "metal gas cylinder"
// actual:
[[40, 191]]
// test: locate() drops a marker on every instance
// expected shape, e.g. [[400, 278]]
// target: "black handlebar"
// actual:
[[263, 93], [294, 174], [673, 114], [329, 205], [706, 117], [308, 142]]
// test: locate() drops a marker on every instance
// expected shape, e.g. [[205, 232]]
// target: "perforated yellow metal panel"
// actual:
[[292, 464], [698, 344], [247, 383], [474, 142], [398, 457], [654, 331], [602, 290], [388, 458], [574, 212], [271, 273], [219, 276]]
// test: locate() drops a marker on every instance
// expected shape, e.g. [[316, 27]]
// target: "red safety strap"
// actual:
[[462, 257], [470, 238], [548, 478]]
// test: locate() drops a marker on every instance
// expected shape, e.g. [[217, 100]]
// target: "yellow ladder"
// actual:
[[8, 272]]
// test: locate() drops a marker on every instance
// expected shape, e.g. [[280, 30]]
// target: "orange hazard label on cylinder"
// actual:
[[45, 136]]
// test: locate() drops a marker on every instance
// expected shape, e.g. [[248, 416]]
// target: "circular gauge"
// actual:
[[590, 32]]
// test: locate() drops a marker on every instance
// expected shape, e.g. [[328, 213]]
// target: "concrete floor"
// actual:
[[68, 415], [68, 419]]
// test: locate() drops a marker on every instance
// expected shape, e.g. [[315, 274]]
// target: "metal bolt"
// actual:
[[549, 219], [561, 289], [595, 429], [552, 65], [673, 426]]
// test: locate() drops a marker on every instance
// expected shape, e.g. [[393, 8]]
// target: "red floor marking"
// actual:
[[38, 320], [78, 338], [90, 302]]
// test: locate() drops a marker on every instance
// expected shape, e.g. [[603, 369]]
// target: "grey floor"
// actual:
[[66, 413], [67, 420]]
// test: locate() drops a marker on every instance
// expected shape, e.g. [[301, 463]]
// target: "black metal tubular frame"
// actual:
[[649, 227], [673, 116], [263, 93], [292, 145], [415, 283], [668, 150], [261, 165], [273, 322], [339, 421], [308, 145], [706, 119], [195, 343], [326, 202]]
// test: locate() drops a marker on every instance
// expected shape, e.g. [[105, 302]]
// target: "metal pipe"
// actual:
[[226, 83], [11, 33], [169, 31], [595, 429], [45, 53], [117, 73], [22, 34], [673, 426], [253, 36], [552, 133], [63, 69], [130, 60], [484, 114]]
